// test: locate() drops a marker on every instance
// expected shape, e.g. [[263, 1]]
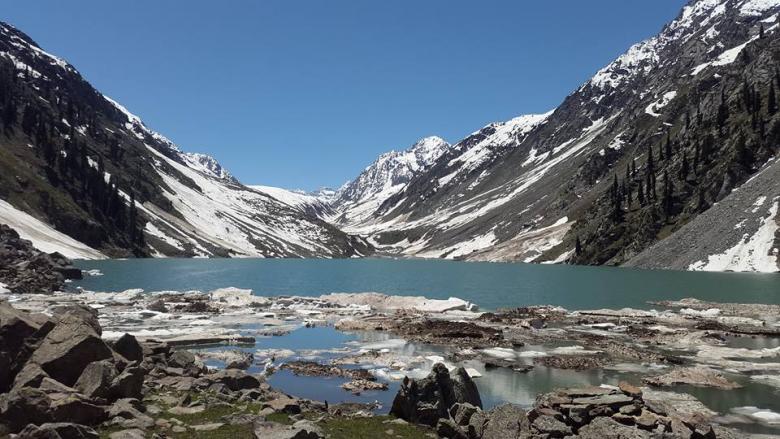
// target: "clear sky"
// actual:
[[302, 94]]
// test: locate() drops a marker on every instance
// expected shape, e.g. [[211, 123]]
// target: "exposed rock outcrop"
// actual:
[[25, 270], [427, 400]]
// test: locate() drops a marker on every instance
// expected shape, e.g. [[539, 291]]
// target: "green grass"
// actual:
[[359, 428]]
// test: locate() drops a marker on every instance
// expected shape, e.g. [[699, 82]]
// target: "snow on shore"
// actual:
[[43, 236]]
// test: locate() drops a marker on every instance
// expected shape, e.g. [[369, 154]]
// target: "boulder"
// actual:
[[608, 428], [85, 313], [235, 379], [129, 384], [427, 400], [243, 360], [67, 350], [31, 375], [58, 430], [95, 381], [284, 404], [461, 413], [182, 359], [447, 428], [15, 328], [274, 430], [506, 421], [24, 406], [133, 433], [551, 426], [128, 347], [129, 413]]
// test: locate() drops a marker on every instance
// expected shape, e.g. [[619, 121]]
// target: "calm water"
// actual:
[[490, 285]]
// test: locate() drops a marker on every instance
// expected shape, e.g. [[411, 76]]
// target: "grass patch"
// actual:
[[359, 428]]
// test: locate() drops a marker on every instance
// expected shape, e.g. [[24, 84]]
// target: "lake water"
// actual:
[[490, 285]]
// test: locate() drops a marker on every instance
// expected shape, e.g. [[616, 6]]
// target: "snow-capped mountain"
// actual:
[[359, 199], [97, 181], [529, 188], [665, 158]]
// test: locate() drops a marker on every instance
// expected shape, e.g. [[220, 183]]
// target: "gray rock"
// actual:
[[67, 350], [30, 376], [182, 359], [551, 426], [129, 384], [607, 428], [273, 430], [235, 380], [243, 361], [133, 433], [612, 401], [95, 381], [129, 413], [461, 413], [507, 421], [427, 400], [284, 404]]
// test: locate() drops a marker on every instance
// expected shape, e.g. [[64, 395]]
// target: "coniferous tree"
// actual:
[[771, 104], [577, 246], [684, 170], [640, 194], [761, 31], [667, 200]]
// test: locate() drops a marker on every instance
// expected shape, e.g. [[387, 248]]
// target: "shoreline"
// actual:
[[688, 343]]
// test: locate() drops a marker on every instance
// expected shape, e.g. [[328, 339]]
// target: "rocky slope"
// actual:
[[81, 174], [654, 139]]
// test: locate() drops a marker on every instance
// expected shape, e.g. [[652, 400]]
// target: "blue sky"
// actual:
[[302, 94]]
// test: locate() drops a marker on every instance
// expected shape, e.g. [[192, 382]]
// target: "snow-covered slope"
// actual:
[[215, 215], [43, 236], [82, 168], [359, 199], [527, 188]]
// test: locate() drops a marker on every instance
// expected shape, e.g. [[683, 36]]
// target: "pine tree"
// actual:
[[640, 194], [761, 31], [771, 103], [577, 246], [684, 167], [667, 200]]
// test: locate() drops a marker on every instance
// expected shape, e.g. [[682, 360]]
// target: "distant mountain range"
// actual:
[[664, 159]]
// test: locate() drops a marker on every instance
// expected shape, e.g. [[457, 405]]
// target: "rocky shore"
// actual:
[[24, 269], [176, 364]]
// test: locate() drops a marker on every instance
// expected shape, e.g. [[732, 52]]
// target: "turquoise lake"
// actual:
[[490, 285]]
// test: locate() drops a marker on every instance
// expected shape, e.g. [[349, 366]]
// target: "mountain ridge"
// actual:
[[628, 164]]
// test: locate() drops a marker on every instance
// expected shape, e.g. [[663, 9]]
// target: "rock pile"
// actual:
[[26, 270], [427, 400], [452, 405], [59, 379]]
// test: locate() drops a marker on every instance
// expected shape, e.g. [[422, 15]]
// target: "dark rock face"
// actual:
[[58, 430], [26, 270], [128, 347], [427, 400]]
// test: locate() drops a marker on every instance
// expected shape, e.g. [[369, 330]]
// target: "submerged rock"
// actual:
[[695, 376]]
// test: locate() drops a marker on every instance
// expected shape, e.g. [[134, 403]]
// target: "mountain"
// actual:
[[665, 158], [359, 199], [686, 117], [82, 175]]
